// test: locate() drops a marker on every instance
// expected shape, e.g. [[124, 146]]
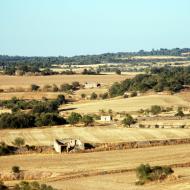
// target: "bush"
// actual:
[[55, 88], [104, 95], [18, 141], [49, 119], [32, 186], [180, 113], [93, 96], [2, 186], [66, 87], [74, 118], [118, 72], [75, 85], [16, 120], [16, 169], [155, 109], [87, 120], [146, 173], [34, 87], [83, 96], [133, 94], [128, 120], [61, 99], [4, 149]]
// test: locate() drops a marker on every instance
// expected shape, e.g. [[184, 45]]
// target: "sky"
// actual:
[[75, 27]]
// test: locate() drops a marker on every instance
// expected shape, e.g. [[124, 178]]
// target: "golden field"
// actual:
[[46, 136], [79, 166], [129, 104], [26, 81]]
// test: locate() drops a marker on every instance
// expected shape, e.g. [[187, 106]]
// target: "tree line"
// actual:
[[159, 79]]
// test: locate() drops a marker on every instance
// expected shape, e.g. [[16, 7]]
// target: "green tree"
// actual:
[[74, 118], [61, 99], [49, 119], [93, 96], [87, 120], [128, 120]]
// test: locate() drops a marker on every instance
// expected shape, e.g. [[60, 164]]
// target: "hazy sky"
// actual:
[[70, 27]]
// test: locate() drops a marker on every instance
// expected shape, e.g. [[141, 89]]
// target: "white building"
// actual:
[[106, 118], [91, 85]]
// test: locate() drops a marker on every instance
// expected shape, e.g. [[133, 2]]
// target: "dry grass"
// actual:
[[26, 81], [91, 134], [129, 104], [29, 95], [124, 181], [66, 165]]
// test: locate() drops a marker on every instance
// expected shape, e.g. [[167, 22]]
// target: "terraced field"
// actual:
[[129, 104], [83, 170], [45, 136]]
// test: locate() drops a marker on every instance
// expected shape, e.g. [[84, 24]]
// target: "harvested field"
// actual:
[[25, 81], [45, 136], [129, 104], [29, 95], [124, 181], [71, 169]]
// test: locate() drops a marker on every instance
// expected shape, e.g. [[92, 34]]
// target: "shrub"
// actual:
[[146, 173], [128, 120], [4, 149], [118, 72], [2, 186], [155, 109], [18, 141], [66, 87], [34, 87], [61, 99], [93, 96], [133, 94], [75, 85], [104, 95], [180, 113], [83, 96], [74, 118], [16, 169], [87, 120], [32, 186], [55, 88]]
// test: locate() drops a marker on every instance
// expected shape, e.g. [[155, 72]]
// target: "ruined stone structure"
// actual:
[[61, 145]]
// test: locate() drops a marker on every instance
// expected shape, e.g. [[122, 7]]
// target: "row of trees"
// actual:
[[83, 59], [167, 78], [75, 118], [24, 185], [46, 106], [41, 113]]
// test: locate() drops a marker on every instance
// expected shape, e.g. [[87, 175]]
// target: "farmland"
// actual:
[[45, 136], [130, 104], [26, 81], [114, 168], [76, 166]]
